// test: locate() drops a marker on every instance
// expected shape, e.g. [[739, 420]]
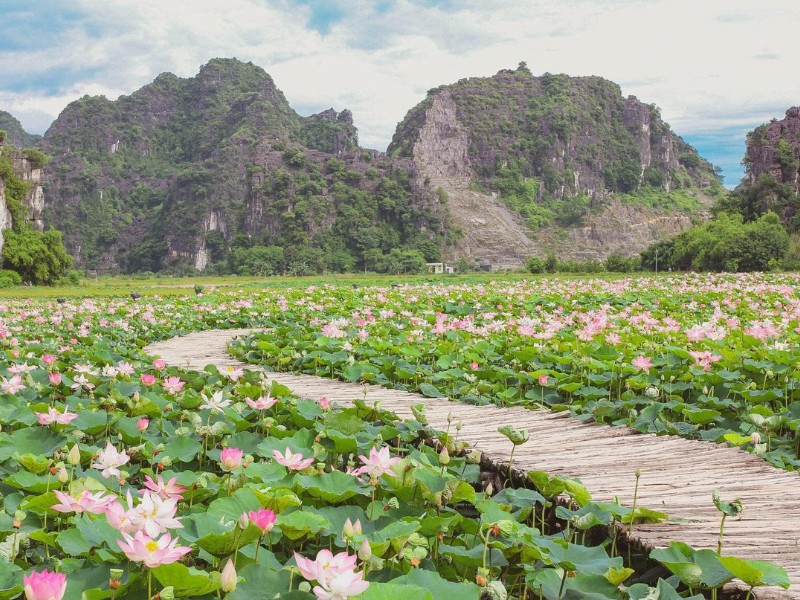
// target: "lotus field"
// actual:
[[124, 477]]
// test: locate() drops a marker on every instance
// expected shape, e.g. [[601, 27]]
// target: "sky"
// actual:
[[715, 68]]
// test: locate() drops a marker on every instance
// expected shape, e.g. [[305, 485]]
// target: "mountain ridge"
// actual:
[[182, 173]]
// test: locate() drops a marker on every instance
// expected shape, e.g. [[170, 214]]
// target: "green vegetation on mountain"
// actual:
[[184, 168], [38, 257], [757, 226], [15, 134], [555, 147]]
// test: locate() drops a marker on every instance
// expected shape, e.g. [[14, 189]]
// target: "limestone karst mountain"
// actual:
[[185, 173]]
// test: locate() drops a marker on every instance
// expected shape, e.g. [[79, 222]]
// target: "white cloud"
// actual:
[[708, 64]]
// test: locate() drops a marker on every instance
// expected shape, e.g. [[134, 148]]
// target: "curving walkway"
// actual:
[[678, 476]]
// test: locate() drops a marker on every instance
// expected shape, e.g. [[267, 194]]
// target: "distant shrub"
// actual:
[[617, 263], [37, 158], [73, 277], [5, 282], [13, 276], [577, 266], [535, 265]]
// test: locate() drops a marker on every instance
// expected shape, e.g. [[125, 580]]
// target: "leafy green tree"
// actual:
[[215, 245], [373, 260], [617, 263], [657, 256], [259, 261], [766, 194], [405, 262], [726, 243], [550, 263], [535, 265], [39, 257], [766, 241]]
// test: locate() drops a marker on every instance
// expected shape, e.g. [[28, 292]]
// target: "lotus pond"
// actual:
[[123, 477]]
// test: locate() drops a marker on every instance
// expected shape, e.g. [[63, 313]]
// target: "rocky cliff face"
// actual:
[[443, 170], [28, 179], [774, 149], [511, 151], [620, 228], [6, 220]]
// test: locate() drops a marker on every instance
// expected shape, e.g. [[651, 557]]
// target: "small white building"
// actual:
[[439, 268]]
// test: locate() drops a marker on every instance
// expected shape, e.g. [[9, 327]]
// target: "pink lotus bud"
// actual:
[[473, 365], [230, 459], [48, 359], [347, 530], [46, 585], [229, 578], [147, 379], [264, 519], [142, 424], [542, 380], [55, 378], [324, 403], [365, 551], [159, 364]]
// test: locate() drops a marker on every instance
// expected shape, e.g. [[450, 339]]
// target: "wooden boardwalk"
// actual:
[[678, 476]]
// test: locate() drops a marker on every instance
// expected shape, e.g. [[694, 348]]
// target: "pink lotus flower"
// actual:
[[13, 385], [335, 575], [230, 459], [147, 379], [378, 463], [542, 380], [81, 381], [325, 565], [264, 519], [142, 424], [232, 373], [48, 359], [155, 515], [159, 364], [152, 552], [165, 490], [110, 460], [263, 402], [642, 363], [46, 585], [341, 586], [705, 359], [215, 403], [109, 371], [173, 385], [293, 462], [53, 416], [125, 368], [85, 502], [119, 517], [55, 378], [474, 366]]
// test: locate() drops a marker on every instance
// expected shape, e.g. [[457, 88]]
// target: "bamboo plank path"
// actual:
[[678, 476]]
